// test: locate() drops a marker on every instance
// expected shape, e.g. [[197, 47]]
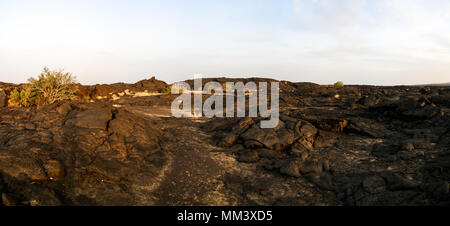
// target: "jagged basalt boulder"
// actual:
[[291, 168], [97, 118], [249, 156]]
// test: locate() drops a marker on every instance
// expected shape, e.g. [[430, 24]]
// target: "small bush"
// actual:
[[85, 98], [23, 98], [53, 86], [167, 90], [14, 96], [339, 84]]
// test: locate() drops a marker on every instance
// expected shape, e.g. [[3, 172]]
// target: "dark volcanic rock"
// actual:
[[97, 118], [326, 139], [291, 168], [355, 145], [276, 139], [249, 156], [3, 99], [64, 109], [408, 108], [441, 100], [229, 140], [95, 155], [374, 184], [334, 125], [366, 145], [151, 84], [368, 127]]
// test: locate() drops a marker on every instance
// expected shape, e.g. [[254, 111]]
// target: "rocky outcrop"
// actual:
[[78, 154], [365, 145], [151, 85]]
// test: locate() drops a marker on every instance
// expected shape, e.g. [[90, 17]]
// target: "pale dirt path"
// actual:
[[154, 111], [202, 174], [193, 177]]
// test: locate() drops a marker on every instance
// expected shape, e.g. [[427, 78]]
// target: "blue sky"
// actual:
[[381, 42]]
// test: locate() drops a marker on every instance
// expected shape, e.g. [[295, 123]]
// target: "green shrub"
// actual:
[[15, 97], [86, 98], [339, 84], [166, 90], [23, 98], [53, 86]]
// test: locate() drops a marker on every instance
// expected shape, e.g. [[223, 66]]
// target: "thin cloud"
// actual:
[[357, 41], [397, 35]]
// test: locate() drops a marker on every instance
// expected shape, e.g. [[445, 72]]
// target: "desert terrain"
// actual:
[[118, 144]]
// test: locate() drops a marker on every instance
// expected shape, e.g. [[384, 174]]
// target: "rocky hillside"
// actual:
[[355, 145], [90, 93]]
